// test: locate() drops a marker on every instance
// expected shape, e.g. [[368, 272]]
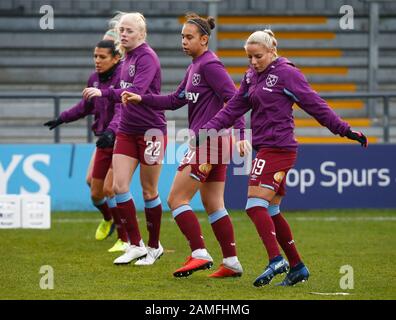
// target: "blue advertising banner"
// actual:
[[59, 170], [332, 176], [325, 176]]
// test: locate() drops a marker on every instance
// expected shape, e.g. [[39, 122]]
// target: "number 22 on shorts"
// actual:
[[150, 145]]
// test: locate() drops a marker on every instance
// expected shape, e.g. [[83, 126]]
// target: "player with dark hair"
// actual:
[[107, 116], [141, 138], [269, 88], [205, 88]]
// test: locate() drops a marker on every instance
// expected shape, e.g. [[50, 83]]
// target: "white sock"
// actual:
[[199, 253], [141, 243], [230, 260]]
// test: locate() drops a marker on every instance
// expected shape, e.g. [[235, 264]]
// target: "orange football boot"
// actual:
[[192, 265], [225, 272]]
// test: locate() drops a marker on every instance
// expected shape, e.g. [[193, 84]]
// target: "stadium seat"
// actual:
[[59, 60]]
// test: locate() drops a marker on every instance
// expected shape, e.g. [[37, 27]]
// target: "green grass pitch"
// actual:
[[83, 269]]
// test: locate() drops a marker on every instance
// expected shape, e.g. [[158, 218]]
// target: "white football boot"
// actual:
[[153, 254], [132, 252]]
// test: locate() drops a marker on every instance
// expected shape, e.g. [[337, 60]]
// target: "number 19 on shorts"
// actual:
[[258, 167]]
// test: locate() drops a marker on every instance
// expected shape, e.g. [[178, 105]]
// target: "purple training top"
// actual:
[[271, 94], [106, 112], [140, 73], [205, 88]]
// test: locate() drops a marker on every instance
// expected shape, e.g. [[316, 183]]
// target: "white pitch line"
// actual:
[[331, 293], [330, 219], [75, 220], [324, 219]]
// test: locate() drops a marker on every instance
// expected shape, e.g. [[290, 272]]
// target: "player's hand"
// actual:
[[243, 147], [89, 93], [106, 140], [358, 136], [52, 124], [130, 97]]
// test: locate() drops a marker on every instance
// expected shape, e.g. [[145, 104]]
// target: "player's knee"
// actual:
[[172, 202], [108, 191], [205, 204], [175, 202], [213, 207], [210, 207], [119, 188], [169, 201], [96, 195], [149, 194]]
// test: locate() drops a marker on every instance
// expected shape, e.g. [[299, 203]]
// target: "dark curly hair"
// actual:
[[204, 25]]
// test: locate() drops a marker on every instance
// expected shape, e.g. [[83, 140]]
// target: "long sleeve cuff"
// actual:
[[147, 99], [105, 93]]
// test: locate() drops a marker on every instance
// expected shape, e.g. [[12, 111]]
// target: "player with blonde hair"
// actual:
[[270, 87], [141, 139]]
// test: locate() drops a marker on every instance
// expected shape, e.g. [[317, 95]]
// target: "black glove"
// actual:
[[52, 124], [106, 140], [358, 136]]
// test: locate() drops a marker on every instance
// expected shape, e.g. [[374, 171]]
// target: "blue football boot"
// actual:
[[297, 274], [276, 266]]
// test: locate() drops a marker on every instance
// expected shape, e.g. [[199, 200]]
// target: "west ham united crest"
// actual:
[[131, 70], [248, 76], [271, 80], [196, 79]]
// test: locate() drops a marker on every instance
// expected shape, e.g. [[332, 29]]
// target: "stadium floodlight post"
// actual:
[[212, 11], [386, 123], [373, 51], [373, 54]]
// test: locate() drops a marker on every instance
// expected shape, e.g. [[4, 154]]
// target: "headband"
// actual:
[[199, 25], [111, 33]]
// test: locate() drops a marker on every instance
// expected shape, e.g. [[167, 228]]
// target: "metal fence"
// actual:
[[56, 99], [385, 96]]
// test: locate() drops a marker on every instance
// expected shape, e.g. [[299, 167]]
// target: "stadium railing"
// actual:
[[385, 96], [56, 107]]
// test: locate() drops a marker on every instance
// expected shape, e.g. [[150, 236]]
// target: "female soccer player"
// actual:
[[205, 88], [270, 87], [107, 114], [141, 138]]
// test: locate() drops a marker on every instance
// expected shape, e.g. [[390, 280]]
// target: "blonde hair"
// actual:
[[134, 17], [265, 38], [137, 18]]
